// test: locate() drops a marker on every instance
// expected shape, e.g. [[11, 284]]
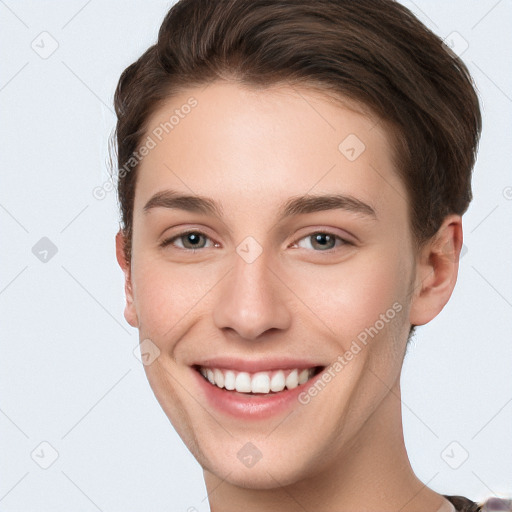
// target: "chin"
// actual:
[[272, 473]]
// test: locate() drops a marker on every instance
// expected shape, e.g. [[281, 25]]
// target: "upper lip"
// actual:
[[256, 365]]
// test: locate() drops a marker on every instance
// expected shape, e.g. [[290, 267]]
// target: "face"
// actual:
[[248, 280]]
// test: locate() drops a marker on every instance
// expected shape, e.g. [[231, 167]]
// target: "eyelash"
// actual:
[[171, 240]]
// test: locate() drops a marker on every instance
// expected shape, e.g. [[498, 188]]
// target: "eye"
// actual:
[[190, 240], [322, 241]]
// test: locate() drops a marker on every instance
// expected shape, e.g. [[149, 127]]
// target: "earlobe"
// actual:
[[130, 313], [436, 271]]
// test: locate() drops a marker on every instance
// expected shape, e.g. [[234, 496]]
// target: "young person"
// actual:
[[292, 176]]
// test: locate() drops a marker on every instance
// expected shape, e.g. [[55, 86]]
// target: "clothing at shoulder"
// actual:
[[463, 504]]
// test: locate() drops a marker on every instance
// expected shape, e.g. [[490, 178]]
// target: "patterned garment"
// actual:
[[493, 504]]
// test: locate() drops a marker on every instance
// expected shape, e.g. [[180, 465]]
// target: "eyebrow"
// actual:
[[297, 205]]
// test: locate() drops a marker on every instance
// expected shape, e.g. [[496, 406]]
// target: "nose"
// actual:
[[252, 300]]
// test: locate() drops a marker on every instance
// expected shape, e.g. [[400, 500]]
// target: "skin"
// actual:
[[251, 150]]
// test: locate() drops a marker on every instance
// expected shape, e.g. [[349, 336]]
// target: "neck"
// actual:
[[374, 474]]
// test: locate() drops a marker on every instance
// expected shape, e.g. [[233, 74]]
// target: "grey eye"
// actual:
[[320, 241]]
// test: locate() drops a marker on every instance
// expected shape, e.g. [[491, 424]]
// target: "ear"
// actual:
[[437, 267], [129, 311]]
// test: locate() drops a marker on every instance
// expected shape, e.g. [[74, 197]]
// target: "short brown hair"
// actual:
[[375, 52]]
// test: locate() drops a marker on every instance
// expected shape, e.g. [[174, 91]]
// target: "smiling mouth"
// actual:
[[258, 383]]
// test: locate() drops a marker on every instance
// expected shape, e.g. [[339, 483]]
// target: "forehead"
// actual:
[[257, 147]]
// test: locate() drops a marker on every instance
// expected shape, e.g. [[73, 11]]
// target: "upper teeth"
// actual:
[[260, 382]]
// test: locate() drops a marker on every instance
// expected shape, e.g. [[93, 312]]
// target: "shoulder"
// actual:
[[492, 504]]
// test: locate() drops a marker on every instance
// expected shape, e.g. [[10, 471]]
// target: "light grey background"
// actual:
[[68, 374]]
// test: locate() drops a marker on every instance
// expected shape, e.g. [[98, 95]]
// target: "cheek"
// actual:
[[167, 295], [341, 299], [350, 298]]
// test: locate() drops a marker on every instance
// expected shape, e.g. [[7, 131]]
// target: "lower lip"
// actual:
[[241, 405]]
